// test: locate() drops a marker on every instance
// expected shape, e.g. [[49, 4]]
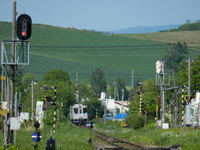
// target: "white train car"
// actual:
[[79, 114]]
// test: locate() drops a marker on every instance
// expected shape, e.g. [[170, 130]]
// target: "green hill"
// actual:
[[192, 38], [78, 51]]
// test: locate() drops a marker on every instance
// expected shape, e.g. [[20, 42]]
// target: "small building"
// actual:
[[122, 106], [114, 107]]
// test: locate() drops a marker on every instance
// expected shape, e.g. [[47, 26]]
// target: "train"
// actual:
[[79, 114]]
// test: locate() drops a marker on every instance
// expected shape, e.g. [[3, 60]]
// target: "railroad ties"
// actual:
[[106, 142]]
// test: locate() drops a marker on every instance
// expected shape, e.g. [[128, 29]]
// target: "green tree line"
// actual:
[[187, 26]]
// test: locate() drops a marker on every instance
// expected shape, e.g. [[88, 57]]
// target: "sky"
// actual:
[[104, 15]]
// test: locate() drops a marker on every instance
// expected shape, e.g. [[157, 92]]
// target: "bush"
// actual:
[[135, 121], [1, 123]]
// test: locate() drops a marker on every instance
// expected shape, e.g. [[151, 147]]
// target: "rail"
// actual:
[[126, 145]]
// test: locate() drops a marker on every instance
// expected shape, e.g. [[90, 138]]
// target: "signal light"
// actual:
[[24, 24], [23, 33]]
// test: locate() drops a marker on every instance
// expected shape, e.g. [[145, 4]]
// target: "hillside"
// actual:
[[143, 29], [192, 38], [77, 51], [188, 26]]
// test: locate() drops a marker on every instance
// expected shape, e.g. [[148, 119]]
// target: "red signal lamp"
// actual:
[[23, 33]]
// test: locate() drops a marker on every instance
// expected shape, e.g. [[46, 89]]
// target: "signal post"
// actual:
[[17, 57]]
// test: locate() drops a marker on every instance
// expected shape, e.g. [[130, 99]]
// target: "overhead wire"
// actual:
[[99, 46]]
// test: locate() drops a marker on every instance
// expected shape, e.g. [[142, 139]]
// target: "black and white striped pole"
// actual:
[[55, 109], [140, 110], [140, 96], [183, 108]]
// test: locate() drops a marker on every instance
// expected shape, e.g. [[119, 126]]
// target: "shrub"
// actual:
[[135, 121]]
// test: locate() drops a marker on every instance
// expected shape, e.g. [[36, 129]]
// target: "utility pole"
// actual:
[[32, 99], [176, 108], [15, 107], [189, 77], [163, 97], [9, 62], [11, 100], [115, 90], [122, 103], [161, 80], [132, 78], [77, 78], [105, 110]]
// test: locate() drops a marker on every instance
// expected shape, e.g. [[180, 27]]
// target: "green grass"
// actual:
[[68, 137], [83, 51], [188, 140], [74, 138]]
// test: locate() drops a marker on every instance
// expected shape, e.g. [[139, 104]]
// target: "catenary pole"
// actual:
[[11, 100], [189, 77], [132, 76]]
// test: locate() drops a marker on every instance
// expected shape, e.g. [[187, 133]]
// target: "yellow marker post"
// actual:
[[3, 77]]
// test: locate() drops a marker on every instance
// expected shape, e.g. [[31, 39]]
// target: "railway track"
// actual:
[[121, 144]]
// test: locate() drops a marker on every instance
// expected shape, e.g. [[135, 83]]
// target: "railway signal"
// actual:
[[36, 125], [51, 144], [24, 24], [90, 125], [36, 136]]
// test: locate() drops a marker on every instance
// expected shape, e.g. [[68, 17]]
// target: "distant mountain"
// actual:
[[148, 29]]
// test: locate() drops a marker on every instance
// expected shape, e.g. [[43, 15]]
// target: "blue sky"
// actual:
[[104, 15]]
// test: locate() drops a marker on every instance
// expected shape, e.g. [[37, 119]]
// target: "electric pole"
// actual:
[[132, 78], [11, 99], [10, 61], [189, 77], [77, 78], [122, 103], [32, 99]]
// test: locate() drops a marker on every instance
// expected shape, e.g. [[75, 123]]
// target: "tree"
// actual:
[[150, 98], [94, 107], [182, 75], [98, 81], [150, 93], [27, 80], [176, 53], [56, 75], [85, 90], [119, 85], [65, 88], [196, 75]]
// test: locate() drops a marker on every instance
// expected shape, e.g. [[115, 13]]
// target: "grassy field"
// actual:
[[192, 38], [188, 140], [82, 52], [69, 137]]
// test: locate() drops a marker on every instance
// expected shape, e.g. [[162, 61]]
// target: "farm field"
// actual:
[[78, 51], [192, 38]]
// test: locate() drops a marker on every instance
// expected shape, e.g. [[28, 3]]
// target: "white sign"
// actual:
[[165, 126], [39, 111], [5, 105], [15, 123], [24, 116], [159, 67]]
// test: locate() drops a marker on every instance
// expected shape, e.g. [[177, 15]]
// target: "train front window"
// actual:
[[84, 110], [76, 110]]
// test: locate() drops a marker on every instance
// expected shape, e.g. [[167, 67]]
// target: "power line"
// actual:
[[99, 46]]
